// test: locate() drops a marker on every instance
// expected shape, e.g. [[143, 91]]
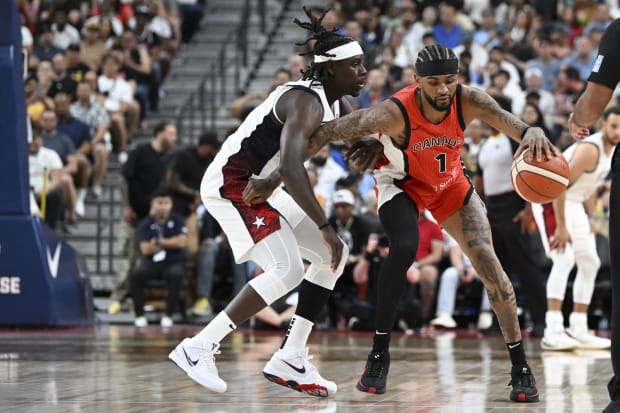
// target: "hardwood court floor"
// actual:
[[122, 369]]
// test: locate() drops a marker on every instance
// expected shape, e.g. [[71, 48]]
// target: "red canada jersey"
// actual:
[[429, 161]]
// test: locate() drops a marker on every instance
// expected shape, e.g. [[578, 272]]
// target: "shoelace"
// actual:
[[209, 353], [376, 366]]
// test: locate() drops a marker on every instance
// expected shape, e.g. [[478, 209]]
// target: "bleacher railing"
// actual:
[[199, 111]]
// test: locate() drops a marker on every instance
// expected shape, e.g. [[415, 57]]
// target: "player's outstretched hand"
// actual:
[[335, 245], [364, 153], [258, 190], [576, 131], [538, 145]]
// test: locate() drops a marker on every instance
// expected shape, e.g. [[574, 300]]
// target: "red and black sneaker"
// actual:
[[523, 384], [374, 378]]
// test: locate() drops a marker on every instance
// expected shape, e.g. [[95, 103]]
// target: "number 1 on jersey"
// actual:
[[442, 162]]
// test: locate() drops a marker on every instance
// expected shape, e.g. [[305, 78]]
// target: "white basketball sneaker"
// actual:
[[199, 364], [557, 340], [586, 340], [295, 371]]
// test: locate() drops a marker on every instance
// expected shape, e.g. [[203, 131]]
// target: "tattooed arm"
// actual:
[[478, 104], [384, 118]]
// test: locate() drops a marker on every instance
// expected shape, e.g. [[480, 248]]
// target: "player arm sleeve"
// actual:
[[605, 70]]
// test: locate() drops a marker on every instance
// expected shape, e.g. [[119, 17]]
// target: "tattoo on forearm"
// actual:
[[357, 124], [477, 232], [490, 105]]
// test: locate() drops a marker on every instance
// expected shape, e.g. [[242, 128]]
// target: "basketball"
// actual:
[[539, 182]]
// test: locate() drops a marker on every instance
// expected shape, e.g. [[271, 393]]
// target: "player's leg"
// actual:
[[588, 263], [399, 217], [290, 366], [470, 228], [279, 257], [555, 337]]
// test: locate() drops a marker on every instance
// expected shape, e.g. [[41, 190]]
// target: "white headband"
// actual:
[[341, 52]]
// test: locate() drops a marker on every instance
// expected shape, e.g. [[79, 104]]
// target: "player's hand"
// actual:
[[128, 215], [257, 191], [526, 219], [577, 131], [538, 145], [468, 275], [560, 238], [334, 244], [364, 153]]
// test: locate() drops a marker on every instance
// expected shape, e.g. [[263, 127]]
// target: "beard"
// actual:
[[435, 105]]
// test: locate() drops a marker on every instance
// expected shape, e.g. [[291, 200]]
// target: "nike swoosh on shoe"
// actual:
[[301, 370]]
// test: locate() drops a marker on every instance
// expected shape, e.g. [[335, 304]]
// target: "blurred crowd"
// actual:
[[94, 74]]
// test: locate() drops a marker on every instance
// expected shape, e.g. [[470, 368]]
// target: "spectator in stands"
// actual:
[[143, 173], [459, 272], [487, 31], [184, 177], [425, 268], [375, 91], [64, 147], [63, 33], [447, 32], [63, 82], [328, 172], [44, 48], [533, 116], [137, 67], [407, 78], [75, 67], [92, 47], [366, 276], [546, 63], [36, 100], [42, 159], [479, 56], [191, 12], [429, 20], [533, 83], [96, 118], [119, 102], [353, 230], [163, 238], [79, 133], [582, 58]]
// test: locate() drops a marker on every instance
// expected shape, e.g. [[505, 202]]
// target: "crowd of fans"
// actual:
[[94, 73]]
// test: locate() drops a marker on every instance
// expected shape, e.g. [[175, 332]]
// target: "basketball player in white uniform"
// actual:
[[290, 226], [574, 241]]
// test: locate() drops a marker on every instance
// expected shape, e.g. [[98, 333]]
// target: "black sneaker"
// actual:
[[375, 373], [523, 384]]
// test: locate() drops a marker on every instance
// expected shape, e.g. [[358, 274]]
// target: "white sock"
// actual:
[[215, 331], [554, 321], [297, 335], [81, 194], [578, 322]]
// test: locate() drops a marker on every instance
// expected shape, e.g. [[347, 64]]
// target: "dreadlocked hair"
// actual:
[[435, 53], [325, 40]]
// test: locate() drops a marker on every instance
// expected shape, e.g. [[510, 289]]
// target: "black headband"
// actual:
[[437, 67]]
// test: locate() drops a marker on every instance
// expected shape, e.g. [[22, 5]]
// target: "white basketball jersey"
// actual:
[[589, 181], [254, 148]]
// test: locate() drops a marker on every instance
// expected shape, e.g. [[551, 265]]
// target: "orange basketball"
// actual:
[[540, 182]]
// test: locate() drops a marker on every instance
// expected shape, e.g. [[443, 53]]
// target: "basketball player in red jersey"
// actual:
[[421, 129]]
